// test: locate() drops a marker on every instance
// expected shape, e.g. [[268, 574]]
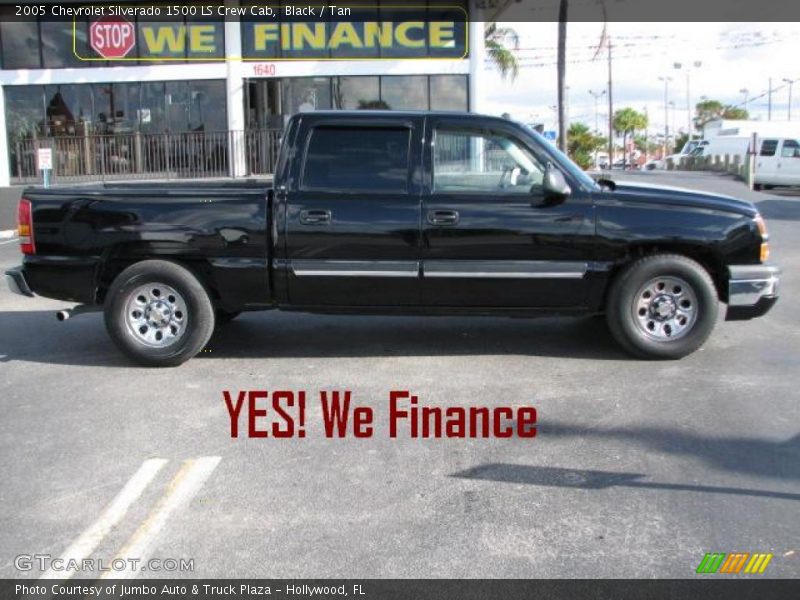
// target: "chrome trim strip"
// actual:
[[354, 268], [504, 269]]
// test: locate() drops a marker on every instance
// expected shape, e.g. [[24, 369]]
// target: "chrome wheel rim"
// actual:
[[665, 308], [156, 315]]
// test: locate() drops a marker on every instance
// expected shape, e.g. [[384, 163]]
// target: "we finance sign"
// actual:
[[388, 35]]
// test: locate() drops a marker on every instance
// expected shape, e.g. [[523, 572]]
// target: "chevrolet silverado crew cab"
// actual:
[[398, 212]]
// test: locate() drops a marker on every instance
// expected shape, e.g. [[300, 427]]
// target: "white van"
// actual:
[[777, 163]]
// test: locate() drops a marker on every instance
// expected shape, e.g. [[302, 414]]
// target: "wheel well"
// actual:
[[707, 258], [114, 265]]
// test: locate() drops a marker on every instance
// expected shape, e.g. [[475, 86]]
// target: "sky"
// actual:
[[733, 57]]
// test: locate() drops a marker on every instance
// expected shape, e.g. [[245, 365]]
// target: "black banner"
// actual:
[[706, 588], [480, 10]]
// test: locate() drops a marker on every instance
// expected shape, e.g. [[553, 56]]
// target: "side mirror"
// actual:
[[555, 186]]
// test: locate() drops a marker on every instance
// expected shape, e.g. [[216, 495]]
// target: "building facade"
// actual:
[[198, 98]]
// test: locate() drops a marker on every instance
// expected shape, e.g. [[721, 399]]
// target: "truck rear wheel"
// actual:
[[662, 307], [158, 313]]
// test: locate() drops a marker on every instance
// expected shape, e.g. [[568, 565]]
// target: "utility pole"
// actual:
[[610, 110], [769, 101], [745, 91], [562, 73], [697, 64], [597, 96], [666, 81], [791, 83]]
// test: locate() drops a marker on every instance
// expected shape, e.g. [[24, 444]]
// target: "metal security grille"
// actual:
[[131, 156]]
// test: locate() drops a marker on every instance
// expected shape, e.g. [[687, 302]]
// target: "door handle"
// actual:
[[315, 217], [443, 217]]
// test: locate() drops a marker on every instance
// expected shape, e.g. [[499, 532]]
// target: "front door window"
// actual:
[[481, 162]]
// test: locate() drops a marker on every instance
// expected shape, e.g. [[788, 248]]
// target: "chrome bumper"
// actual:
[[15, 279], [752, 290]]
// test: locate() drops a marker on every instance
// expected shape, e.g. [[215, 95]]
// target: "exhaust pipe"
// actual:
[[63, 315]]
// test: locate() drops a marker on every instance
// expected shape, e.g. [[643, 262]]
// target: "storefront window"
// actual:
[[306, 94], [405, 92], [24, 112], [20, 42], [448, 92], [69, 109], [208, 110], [57, 44], [356, 92]]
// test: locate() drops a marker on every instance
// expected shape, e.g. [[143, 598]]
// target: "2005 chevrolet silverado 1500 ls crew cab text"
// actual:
[[402, 213]]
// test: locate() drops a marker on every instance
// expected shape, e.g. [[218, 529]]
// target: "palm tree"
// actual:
[[500, 45], [627, 121], [583, 144]]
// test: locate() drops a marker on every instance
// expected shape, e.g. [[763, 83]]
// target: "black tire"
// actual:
[[757, 187], [196, 330], [630, 330], [223, 317]]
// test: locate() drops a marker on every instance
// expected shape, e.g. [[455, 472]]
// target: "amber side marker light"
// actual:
[[25, 227], [762, 230]]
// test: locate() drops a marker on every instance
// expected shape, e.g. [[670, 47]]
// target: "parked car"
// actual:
[[690, 148], [652, 165], [402, 213]]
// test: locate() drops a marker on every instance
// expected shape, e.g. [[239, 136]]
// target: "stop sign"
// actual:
[[112, 37]]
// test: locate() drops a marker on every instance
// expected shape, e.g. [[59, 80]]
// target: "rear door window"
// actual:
[[357, 159]]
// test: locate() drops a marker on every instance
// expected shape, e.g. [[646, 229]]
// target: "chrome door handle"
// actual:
[[315, 217], [443, 217]]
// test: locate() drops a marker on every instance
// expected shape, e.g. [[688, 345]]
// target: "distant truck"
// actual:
[[383, 212], [777, 163], [777, 159]]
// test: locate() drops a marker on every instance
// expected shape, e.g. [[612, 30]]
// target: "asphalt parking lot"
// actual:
[[639, 468]]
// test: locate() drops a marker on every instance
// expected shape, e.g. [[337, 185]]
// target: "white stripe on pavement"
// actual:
[[183, 487], [89, 540], [7, 233]]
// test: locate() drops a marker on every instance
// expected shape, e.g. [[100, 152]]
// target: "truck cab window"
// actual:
[[357, 159], [470, 161]]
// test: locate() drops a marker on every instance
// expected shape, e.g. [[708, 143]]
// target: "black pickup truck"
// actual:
[[403, 213]]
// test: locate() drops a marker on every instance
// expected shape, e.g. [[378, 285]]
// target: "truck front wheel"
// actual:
[[158, 313], [662, 306]]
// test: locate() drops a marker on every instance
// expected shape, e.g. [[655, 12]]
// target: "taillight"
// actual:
[[25, 229]]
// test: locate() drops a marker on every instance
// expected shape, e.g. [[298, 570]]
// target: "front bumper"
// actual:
[[752, 291], [15, 278]]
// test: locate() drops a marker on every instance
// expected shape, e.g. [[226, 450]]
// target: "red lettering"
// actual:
[[254, 413], [277, 430], [526, 421], [362, 422], [395, 413], [234, 411], [334, 413], [500, 413]]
